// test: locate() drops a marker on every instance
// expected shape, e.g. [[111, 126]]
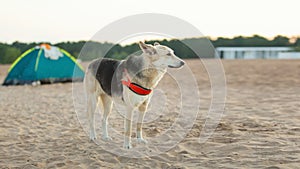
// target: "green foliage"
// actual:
[[297, 48], [23, 46], [8, 54], [72, 47], [280, 41], [240, 41], [297, 42], [186, 48]]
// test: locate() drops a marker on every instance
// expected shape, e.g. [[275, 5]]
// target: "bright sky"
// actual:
[[71, 20]]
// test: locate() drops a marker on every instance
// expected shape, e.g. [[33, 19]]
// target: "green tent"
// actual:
[[45, 64]]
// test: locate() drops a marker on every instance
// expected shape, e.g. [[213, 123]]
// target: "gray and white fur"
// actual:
[[103, 86]]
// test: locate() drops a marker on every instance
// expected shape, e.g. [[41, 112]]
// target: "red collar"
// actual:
[[140, 90]]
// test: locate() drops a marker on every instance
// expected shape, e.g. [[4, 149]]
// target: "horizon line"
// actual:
[[291, 38]]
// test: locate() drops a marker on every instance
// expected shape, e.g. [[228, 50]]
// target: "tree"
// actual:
[[297, 42], [184, 48], [8, 54], [280, 41]]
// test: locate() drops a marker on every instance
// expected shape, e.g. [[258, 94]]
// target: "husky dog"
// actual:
[[129, 81]]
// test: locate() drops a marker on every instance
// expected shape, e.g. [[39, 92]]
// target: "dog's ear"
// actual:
[[156, 43], [148, 49]]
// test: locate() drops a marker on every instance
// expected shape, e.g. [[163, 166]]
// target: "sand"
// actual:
[[260, 128]]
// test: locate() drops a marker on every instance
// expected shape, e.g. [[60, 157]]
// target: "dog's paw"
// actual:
[[93, 136], [127, 146], [141, 140], [106, 138]]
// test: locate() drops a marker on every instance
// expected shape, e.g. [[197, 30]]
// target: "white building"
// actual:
[[254, 52], [289, 55]]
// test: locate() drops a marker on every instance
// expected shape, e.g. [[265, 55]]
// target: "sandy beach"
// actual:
[[260, 127]]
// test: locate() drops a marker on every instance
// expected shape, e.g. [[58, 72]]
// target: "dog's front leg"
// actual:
[[128, 126], [142, 111]]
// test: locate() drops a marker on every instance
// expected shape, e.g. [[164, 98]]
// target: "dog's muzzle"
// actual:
[[180, 65]]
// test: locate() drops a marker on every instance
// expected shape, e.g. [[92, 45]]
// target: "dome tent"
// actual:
[[44, 63]]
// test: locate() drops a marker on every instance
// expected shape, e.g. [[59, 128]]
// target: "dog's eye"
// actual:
[[169, 54]]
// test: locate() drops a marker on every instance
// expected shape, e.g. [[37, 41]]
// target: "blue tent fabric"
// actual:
[[35, 65]]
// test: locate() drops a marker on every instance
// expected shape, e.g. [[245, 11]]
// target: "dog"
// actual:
[[129, 82]]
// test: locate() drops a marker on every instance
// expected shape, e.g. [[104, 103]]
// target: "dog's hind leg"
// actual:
[[91, 103], [107, 106], [142, 111], [91, 96]]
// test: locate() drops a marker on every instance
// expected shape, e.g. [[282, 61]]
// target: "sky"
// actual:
[[71, 20]]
